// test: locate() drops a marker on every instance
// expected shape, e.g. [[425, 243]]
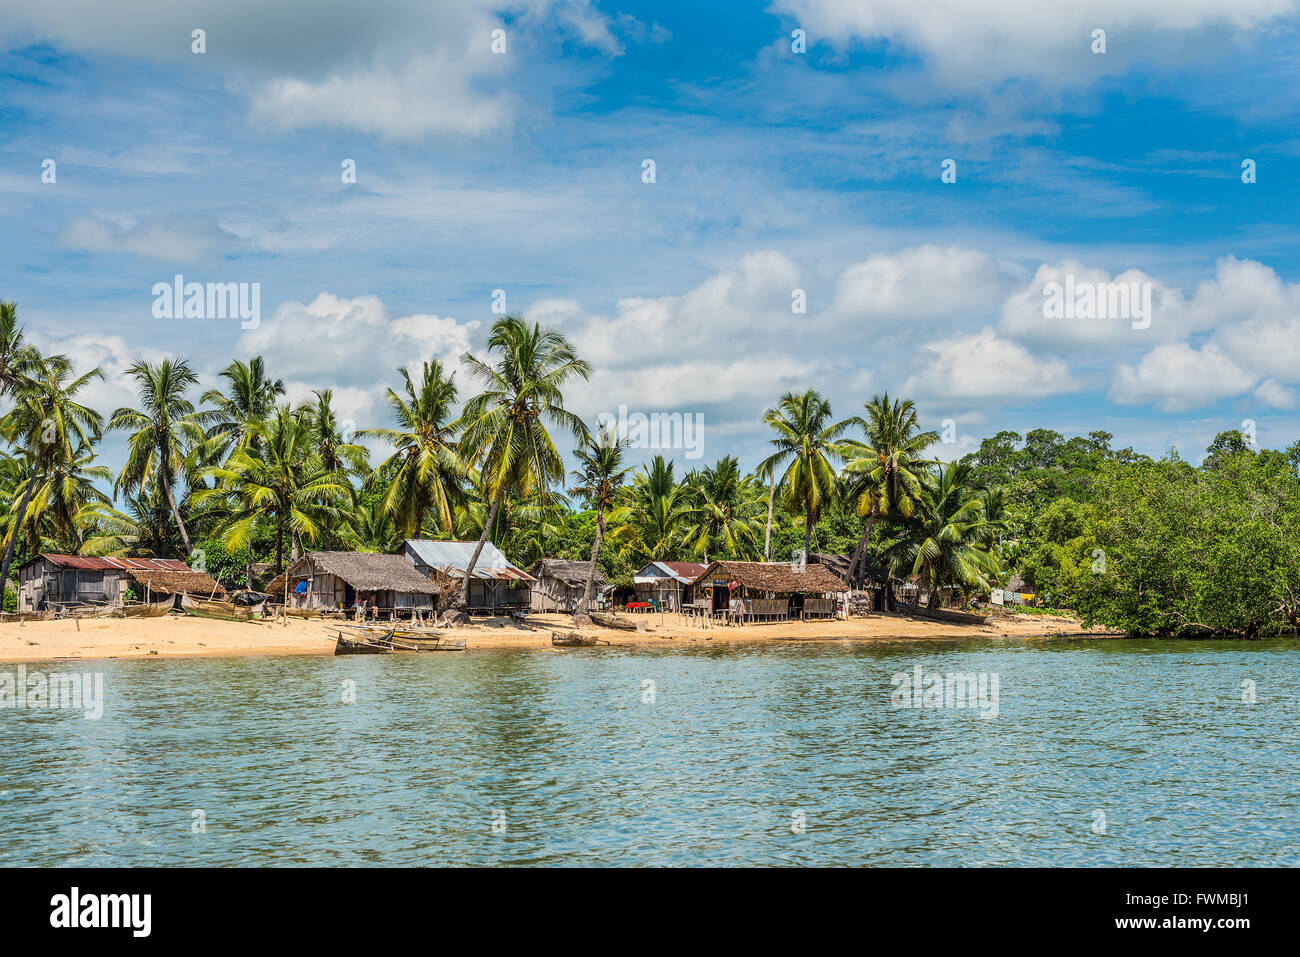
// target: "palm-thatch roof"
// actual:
[[276, 585], [366, 571], [840, 564], [571, 573], [780, 577], [172, 582]]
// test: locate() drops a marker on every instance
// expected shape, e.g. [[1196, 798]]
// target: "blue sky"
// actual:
[[775, 171]]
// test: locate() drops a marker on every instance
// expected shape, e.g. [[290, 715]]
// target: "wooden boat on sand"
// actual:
[[45, 615], [209, 608], [369, 643], [155, 609], [612, 621], [572, 639]]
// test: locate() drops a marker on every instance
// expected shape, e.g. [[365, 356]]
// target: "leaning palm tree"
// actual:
[[164, 431], [599, 479], [50, 426], [505, 430], [884, 472], [947, 541], [806, 440], [425, 477]]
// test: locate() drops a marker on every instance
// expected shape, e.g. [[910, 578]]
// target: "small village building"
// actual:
[[50, 579], [335, 580], [874, 576], [667, 585], [496, 587], [560, 584], [770, 591]]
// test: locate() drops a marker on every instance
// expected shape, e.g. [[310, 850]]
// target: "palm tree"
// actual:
[[165, 430], [505, 425], [50, 425], [656, 508], [598, 481], [278, 479], [720, 517], [336, 452], [884, 471], [426, 473], [65, 490], [17, 359], [805, 442], [947, 540], [250, 398]]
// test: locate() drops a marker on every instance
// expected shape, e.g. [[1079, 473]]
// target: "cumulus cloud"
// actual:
[[1177, 377], [354, 347], [986, 368], [922, 282]]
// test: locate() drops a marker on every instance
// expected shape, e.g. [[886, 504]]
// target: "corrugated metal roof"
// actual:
[[94, 563], [455, 557], [684, 572]]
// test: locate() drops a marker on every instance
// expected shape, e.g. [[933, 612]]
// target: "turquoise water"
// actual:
[[578, 769]]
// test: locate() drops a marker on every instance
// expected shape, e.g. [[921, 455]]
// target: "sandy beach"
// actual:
[[182, 636]]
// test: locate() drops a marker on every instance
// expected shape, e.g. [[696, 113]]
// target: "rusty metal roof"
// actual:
[[94, 563]]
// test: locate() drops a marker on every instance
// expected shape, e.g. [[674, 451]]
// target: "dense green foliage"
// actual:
[[240, 477]]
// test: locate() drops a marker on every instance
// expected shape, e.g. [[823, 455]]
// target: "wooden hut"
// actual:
[[560, 584], [50, 579], [338, 579], [667, 585], [496, 587], [770, 591]]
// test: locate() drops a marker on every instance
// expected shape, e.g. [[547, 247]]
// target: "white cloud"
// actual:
[[986, 368], [403, 69], [964, 42], [1278, 396], [1176, 378], [922, 282], [353, 347], [177, 239]]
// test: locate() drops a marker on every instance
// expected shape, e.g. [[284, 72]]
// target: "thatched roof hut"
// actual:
[[781, 578], [334, 579], [571, 573], [368, 571], [171, 582]]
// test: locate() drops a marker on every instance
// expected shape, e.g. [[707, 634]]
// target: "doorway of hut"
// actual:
[[349, 595]]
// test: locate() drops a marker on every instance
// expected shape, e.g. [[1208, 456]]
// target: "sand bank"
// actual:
[[180, 636]]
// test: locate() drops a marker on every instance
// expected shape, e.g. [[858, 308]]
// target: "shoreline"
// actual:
[[190, 637]]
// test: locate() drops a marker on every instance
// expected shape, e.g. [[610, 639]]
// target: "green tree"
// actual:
[[505, 431], [600, 475], [164, 431], [426, 474], [806, 440]]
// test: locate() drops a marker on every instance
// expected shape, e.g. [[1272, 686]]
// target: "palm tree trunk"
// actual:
[[859, 563], [176, 514], [767, 534], [807, 531], [589, 591], [13, 532], [463, 597]]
